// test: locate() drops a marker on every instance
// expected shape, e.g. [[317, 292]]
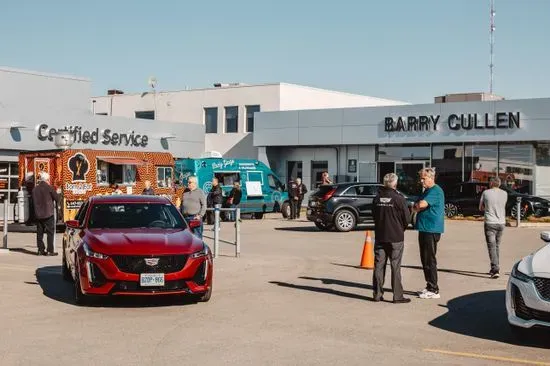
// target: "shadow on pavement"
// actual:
[[483, 315], [321, 290], [24, 251], [453, 271], [53, 286], [330, 281]]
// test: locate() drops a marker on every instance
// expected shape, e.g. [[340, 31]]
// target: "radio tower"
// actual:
[[492, 45]]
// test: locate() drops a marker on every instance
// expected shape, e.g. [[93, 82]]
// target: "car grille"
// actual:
[[526, 313], [137, 264], [127, 286], [543, 287]]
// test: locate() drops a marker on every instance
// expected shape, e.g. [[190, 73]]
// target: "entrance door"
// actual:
[[407, 171]]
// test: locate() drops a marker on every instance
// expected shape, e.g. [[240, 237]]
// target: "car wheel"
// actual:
[[451, 210], [64, 268], [79, 297], [524, 212], [323, 226], [285, 210], [344, 220]]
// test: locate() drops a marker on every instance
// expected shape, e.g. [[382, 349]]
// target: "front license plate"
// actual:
[[151, 279]]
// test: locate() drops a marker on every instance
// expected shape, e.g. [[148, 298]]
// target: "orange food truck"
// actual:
[[81, 173]]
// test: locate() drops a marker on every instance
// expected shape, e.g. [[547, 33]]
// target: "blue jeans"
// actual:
[[198, 230], [231, 214]]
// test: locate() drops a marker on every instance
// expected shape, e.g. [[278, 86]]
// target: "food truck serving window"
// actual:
[[228, 178], [164, 176], [117, 170]]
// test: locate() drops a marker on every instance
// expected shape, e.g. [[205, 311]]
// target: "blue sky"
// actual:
[[400, 49]]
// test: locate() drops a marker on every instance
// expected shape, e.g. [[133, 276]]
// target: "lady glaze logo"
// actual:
[[78, 166]]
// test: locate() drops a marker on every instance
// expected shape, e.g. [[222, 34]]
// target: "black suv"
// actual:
[[342, 206], [464, 199]]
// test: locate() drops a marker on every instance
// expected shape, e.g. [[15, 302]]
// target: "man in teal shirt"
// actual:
[[430, 224]]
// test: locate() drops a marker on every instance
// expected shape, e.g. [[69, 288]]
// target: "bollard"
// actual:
[[237, 232], [216, 231], [6, 209], [518, 211]]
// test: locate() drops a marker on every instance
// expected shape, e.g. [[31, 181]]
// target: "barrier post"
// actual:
[[518, 211], [6, 210], [238, 232], [216, 230]]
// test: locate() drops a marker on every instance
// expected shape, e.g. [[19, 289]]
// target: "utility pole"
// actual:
[[492, 44]]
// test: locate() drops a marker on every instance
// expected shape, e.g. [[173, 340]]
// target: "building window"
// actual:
[[115, 174], [250, 110], [294, 170], [231, 119], [145, 114], [227, 179], [480, 162], [447, 161], [317, 169], [405, 161], [516, 166], [211, 120], [164, 177]]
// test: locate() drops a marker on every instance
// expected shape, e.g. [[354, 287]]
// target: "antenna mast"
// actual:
[[492, 44]]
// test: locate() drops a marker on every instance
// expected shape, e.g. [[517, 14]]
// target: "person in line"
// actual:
[[44, 196], [148, 191], [302, 190], [234, 199], [430, 222], [193, 204], [293, 197], [215, 197], [493, 204], [391, 219]]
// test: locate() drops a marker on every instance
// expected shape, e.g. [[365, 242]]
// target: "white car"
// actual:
[[528, 291]]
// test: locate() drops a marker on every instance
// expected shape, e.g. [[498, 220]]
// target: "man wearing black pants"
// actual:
[[43, 196], [391, 218], [430, 226], [293, 197]]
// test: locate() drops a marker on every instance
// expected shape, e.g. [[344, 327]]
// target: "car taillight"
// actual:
[[329, 194]]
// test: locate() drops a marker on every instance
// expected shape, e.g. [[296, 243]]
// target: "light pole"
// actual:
[[153, 83], [62, 140]]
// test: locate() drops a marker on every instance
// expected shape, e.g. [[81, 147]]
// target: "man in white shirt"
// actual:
[[493, 203]]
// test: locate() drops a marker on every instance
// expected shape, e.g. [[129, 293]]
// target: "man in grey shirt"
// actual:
[[493, 203], [193, 205]]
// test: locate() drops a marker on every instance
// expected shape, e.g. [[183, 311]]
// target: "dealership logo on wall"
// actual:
[[78, 166], [455, 122]]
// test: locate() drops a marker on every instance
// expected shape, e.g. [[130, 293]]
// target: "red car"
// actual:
[[134, 245]]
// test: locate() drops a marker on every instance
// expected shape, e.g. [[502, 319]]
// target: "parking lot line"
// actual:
[[487, 357]]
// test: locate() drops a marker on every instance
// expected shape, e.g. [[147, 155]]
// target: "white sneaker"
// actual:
[[422, 292], [430, 295]]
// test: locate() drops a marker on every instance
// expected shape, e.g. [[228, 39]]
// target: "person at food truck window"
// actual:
[[148, 190], [193, 205], [43, 196], [234, 199]]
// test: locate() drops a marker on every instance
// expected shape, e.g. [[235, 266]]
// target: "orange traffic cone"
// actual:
[[367, 258]]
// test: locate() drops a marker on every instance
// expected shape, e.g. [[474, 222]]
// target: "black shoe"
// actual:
[[402, 301], [51, 254], [41, 252], [378, 299]]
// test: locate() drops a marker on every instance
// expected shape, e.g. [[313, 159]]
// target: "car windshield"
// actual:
[[135, 215]]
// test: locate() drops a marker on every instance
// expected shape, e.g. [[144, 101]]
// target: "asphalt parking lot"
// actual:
[[295, 296]]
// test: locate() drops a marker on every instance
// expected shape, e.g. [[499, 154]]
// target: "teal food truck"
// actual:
[[262, 191]]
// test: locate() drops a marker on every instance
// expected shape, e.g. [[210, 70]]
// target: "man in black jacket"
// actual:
[[293, 197], [215, 197], [43, 196], [391, 218]]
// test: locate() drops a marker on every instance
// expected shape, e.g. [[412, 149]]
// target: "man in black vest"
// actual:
[[391, 218]]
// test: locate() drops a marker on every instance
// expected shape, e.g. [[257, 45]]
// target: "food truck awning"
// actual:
[[121, 160]]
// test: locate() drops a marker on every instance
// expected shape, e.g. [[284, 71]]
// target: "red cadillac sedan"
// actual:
[[134, 245]]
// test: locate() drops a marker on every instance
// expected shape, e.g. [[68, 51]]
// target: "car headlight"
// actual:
[[201, 253], [516, 273], [90, 253]]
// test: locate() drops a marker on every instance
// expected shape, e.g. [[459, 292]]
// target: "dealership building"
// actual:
[[463, 141]]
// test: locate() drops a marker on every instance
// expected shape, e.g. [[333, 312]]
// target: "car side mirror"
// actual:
[[545, 236], [193, 224], [73, 224]]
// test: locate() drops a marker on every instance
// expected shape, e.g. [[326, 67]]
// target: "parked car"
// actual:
[[528, 291], [342, 206], [464, 199], [134, 245]]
